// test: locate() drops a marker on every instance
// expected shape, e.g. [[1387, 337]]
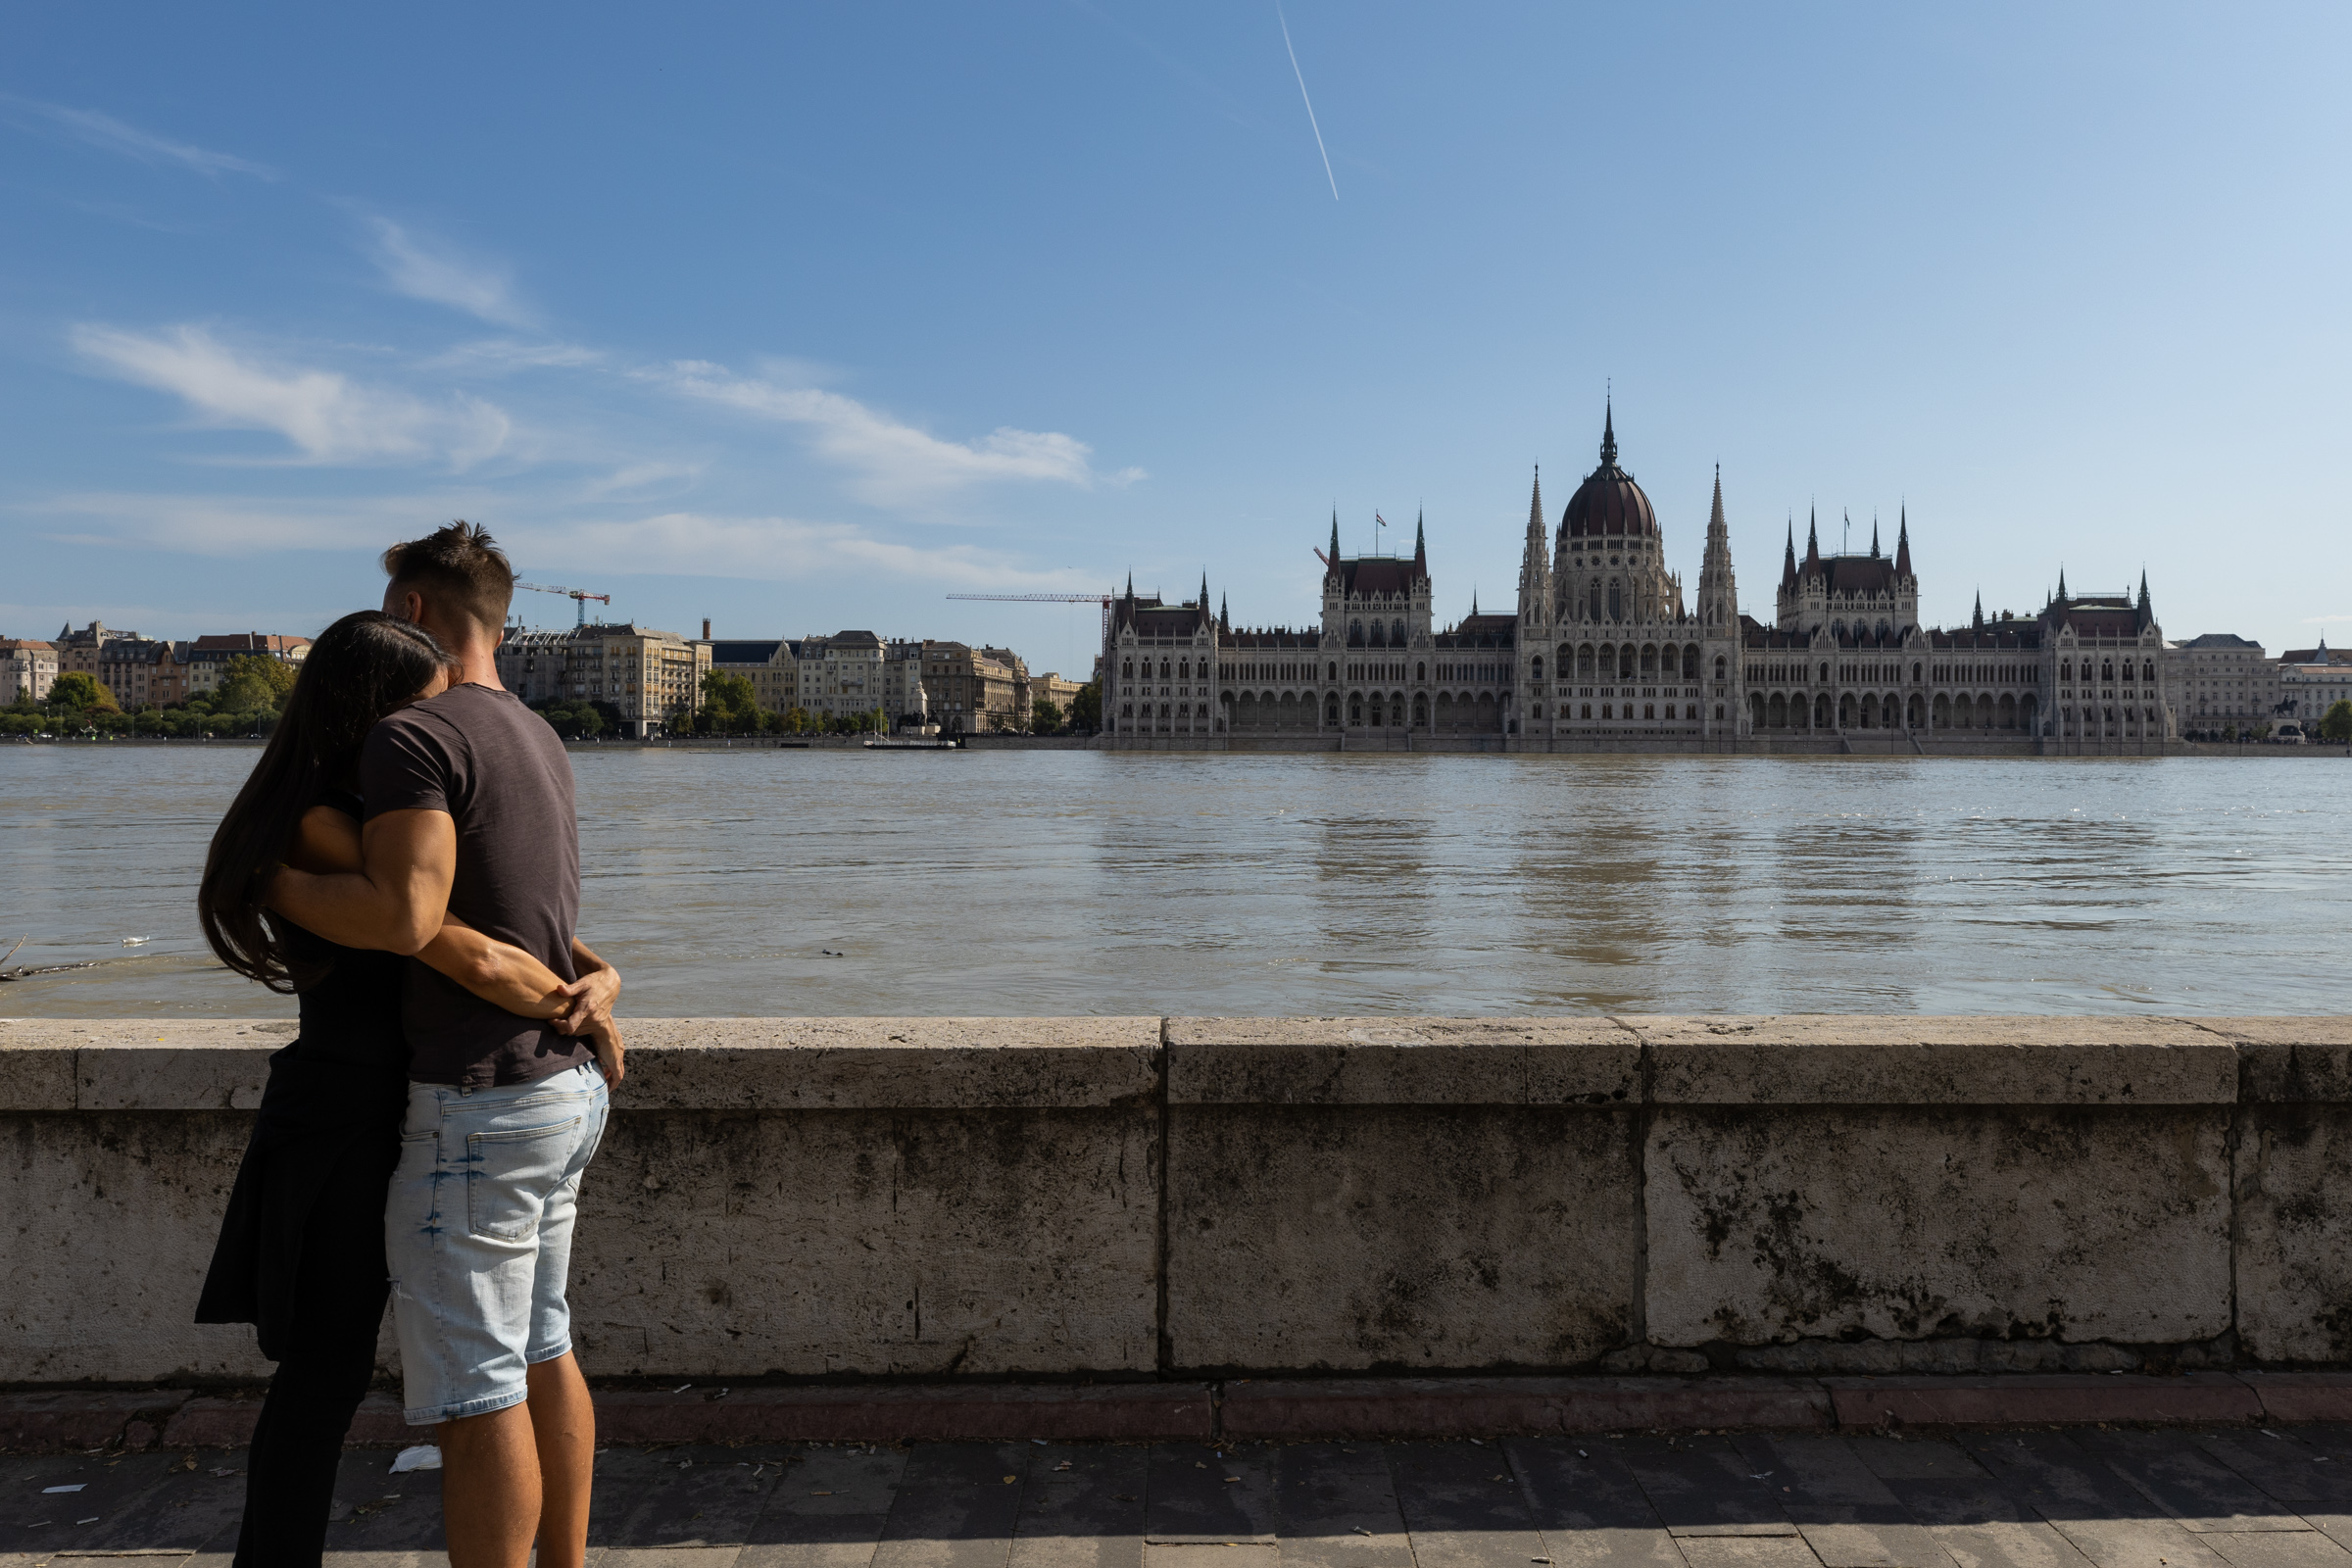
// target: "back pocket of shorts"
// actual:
[[509, 1175]]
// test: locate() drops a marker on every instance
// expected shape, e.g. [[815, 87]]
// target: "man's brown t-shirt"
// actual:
[[499, 772]]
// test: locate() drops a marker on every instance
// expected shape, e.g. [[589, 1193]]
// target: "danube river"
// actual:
[[773, 882]]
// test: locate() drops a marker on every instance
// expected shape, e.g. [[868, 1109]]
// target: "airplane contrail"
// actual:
[[1309, 102]]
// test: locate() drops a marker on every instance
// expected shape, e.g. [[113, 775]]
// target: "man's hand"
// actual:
[[592, 997], [605, 1037]]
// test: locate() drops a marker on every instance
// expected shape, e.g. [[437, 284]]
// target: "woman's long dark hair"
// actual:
[[361, 669]]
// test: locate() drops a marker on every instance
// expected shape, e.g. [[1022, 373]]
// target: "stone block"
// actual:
[[174, 1064], [1782, 1223], [1837, 1061], [2295, 1233], [1118, 1412], [728, 1245], [888, 1064], [85, 1418], [2290, 1397], [110, 1224], [1375, 1237], [1442, 1407], [2032, 1399], [1402, 1062], [2289, 1059], [34, 1077]]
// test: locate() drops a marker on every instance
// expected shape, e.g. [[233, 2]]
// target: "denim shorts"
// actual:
[[477, 1230]]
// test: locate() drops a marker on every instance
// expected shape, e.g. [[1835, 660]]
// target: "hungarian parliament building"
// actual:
[[1603, 650]]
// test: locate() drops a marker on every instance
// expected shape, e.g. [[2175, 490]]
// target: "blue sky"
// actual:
[[801, 317]]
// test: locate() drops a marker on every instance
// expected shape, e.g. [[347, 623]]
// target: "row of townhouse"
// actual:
[[655, 678], [141, 672], [928, 683], [2226, 686]]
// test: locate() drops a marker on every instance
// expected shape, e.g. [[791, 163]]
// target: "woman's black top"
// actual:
[[331, 1111]]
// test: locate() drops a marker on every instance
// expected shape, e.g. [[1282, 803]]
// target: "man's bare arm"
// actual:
[[395, 901]]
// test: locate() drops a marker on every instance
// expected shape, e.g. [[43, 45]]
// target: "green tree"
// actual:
[[1086, 709], [2337, 724], [79, 690], [574, 720], [1045, 716], [255, 683]]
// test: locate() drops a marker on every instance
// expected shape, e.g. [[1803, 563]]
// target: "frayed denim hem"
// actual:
[[433, 1416]]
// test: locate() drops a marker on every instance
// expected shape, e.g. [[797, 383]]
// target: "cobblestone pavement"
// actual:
[[2239, 1497]]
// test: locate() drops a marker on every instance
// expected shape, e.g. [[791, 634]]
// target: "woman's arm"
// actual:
[[327, 840]]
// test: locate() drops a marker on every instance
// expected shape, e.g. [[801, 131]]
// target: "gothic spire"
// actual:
[[1534, 556], [1609, 433], [1813, 544], [1788, 560], [2061, 585], [1420, 545], [1874, 536], [1978, 622], [1335, 538], [1203, 600], [2143, 587], [1902, 545], [1224, 622]]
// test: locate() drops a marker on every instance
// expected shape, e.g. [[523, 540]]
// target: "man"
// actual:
[[468, 800]]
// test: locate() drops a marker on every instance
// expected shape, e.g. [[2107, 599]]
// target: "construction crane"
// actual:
[[578, 596], [1050, 599]]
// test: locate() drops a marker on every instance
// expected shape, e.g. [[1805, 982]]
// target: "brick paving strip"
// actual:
[[1368, 1408], [2080, 1497]]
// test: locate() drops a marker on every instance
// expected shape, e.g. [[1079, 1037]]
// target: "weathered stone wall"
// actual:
[[1130, 1198]]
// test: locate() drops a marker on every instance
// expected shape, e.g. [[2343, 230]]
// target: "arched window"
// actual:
[[1915, 674], [1596, 607], [1356, 634], [1586, 711], [2149, 671], [1335, 671], [1421, 712], [1690, 661], [2107, 670], [1331, 710], [1420, 670], [1535, 669], [1127, 670], [1616, 604], [1718, 666], [1356, 709], [1397, 633], [1650, 710], [1837, 627], [1649, 660], [1584, 664], [1183, 669]]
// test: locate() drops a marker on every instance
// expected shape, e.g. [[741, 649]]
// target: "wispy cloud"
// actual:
[[689, 544], [516, 354], [429, 269], [783, 549], [894, 462], [106, 132], [326, 416]]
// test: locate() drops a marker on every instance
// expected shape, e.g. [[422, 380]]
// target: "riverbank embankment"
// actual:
[[1303, 1202]]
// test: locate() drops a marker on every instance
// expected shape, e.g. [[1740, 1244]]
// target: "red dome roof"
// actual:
[[1609, 502]]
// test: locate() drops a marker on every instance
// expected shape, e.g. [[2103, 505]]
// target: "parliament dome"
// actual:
[[1608, 503]]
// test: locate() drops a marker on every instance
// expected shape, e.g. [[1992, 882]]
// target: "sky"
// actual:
[[805, 318]]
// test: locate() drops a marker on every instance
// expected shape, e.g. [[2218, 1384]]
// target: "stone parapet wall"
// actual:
[[1141, 1197]]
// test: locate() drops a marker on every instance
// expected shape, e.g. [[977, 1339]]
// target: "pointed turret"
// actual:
[[1978, 620], [1718, 594], [1420, 545], [1224, 622], [1812, 544], [1202, 601], [1902, 545], [2061, 585], [1874, 536], [1535, 562], [1131, 583], [1788, 561], [2144, 588], [1608, 435]]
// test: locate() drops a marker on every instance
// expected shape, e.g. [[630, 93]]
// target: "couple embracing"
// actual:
[[405, 860]]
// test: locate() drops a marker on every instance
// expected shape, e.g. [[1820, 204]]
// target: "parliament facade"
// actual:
[[1603, 651]]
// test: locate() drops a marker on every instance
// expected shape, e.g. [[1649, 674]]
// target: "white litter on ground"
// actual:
[[423, 1456]]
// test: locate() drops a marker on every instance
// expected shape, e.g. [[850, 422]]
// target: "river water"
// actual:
[[722, 882]]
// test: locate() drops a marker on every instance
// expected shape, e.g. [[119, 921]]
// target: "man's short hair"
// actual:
[[460, 567]]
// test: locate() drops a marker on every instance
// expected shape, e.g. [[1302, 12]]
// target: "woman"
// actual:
[[301, 1254]]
